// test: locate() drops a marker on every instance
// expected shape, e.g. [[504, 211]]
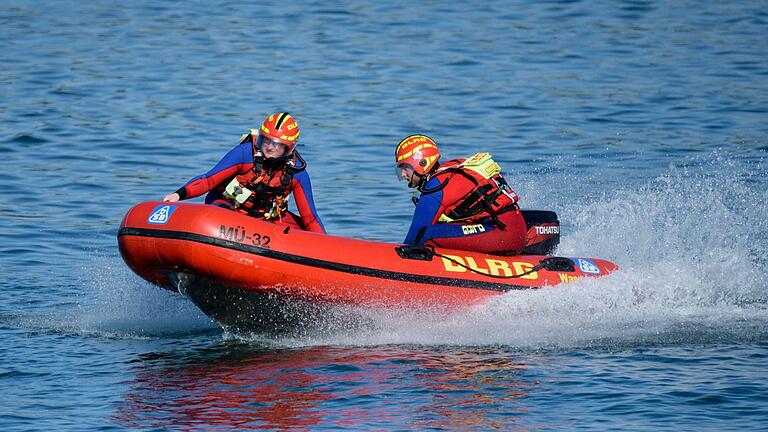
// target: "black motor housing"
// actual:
[[543, 232]]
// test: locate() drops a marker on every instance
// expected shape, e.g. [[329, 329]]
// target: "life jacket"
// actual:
[[490, 197], [263, 191]]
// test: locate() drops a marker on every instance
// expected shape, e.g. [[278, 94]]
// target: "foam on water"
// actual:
[[116, 303], [691, 245]]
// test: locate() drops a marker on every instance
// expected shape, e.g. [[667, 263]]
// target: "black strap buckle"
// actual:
[[557, 264], [420, 253]]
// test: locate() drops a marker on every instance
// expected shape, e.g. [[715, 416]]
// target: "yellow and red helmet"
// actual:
[[282, 128], [419, 152]]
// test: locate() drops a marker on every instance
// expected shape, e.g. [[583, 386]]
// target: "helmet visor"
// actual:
[[404, 172], [407, 173], [272, 148]]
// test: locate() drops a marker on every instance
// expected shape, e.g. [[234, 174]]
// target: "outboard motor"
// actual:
[[543, 232]]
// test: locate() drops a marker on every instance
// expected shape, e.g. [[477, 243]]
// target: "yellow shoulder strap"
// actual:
[[483, 164], [253, 132]]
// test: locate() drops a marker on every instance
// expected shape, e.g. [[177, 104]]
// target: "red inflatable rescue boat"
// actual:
[[249, 274]]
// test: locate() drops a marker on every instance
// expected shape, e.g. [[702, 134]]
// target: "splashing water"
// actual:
[[115, 303], [690, 245], [691, 249]]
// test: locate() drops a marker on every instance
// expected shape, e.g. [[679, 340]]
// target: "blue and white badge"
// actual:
[[161, 214], [587, 266]]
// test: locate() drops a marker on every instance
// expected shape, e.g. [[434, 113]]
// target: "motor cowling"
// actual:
[[543, 232]]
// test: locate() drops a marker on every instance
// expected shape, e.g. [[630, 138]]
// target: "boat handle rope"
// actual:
[[425, 253]]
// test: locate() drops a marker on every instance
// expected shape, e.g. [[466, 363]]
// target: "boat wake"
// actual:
[[691, 246]]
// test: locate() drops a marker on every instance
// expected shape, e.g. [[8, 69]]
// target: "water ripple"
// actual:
[[642, 126]]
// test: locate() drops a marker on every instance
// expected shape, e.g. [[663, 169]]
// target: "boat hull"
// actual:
[[248, 273]]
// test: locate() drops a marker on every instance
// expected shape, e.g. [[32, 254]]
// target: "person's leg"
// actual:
[[486, 238], [291, 220]]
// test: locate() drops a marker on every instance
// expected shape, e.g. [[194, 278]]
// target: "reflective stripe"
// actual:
[[481, 169]]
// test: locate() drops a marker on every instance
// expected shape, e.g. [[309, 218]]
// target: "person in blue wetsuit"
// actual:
[[257, 176], [465, 203]]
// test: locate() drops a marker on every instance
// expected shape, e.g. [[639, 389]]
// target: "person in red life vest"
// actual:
[[257, 176], [465, 203]]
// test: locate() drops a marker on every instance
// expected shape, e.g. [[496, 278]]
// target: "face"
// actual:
[[272, 149], [405, 172]]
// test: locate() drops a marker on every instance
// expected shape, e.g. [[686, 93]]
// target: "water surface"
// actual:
[[642, 124]]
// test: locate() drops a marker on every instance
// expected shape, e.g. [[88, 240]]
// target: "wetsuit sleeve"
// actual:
[[424, 217], [302, 196], [236, 161]]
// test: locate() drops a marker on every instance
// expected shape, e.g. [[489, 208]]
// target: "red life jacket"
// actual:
[[490, 196], [270, 183]]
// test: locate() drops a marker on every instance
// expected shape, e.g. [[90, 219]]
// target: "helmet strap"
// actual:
[[423, 180], [426, 177]]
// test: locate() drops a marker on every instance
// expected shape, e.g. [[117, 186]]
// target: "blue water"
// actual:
[[643, 124]]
